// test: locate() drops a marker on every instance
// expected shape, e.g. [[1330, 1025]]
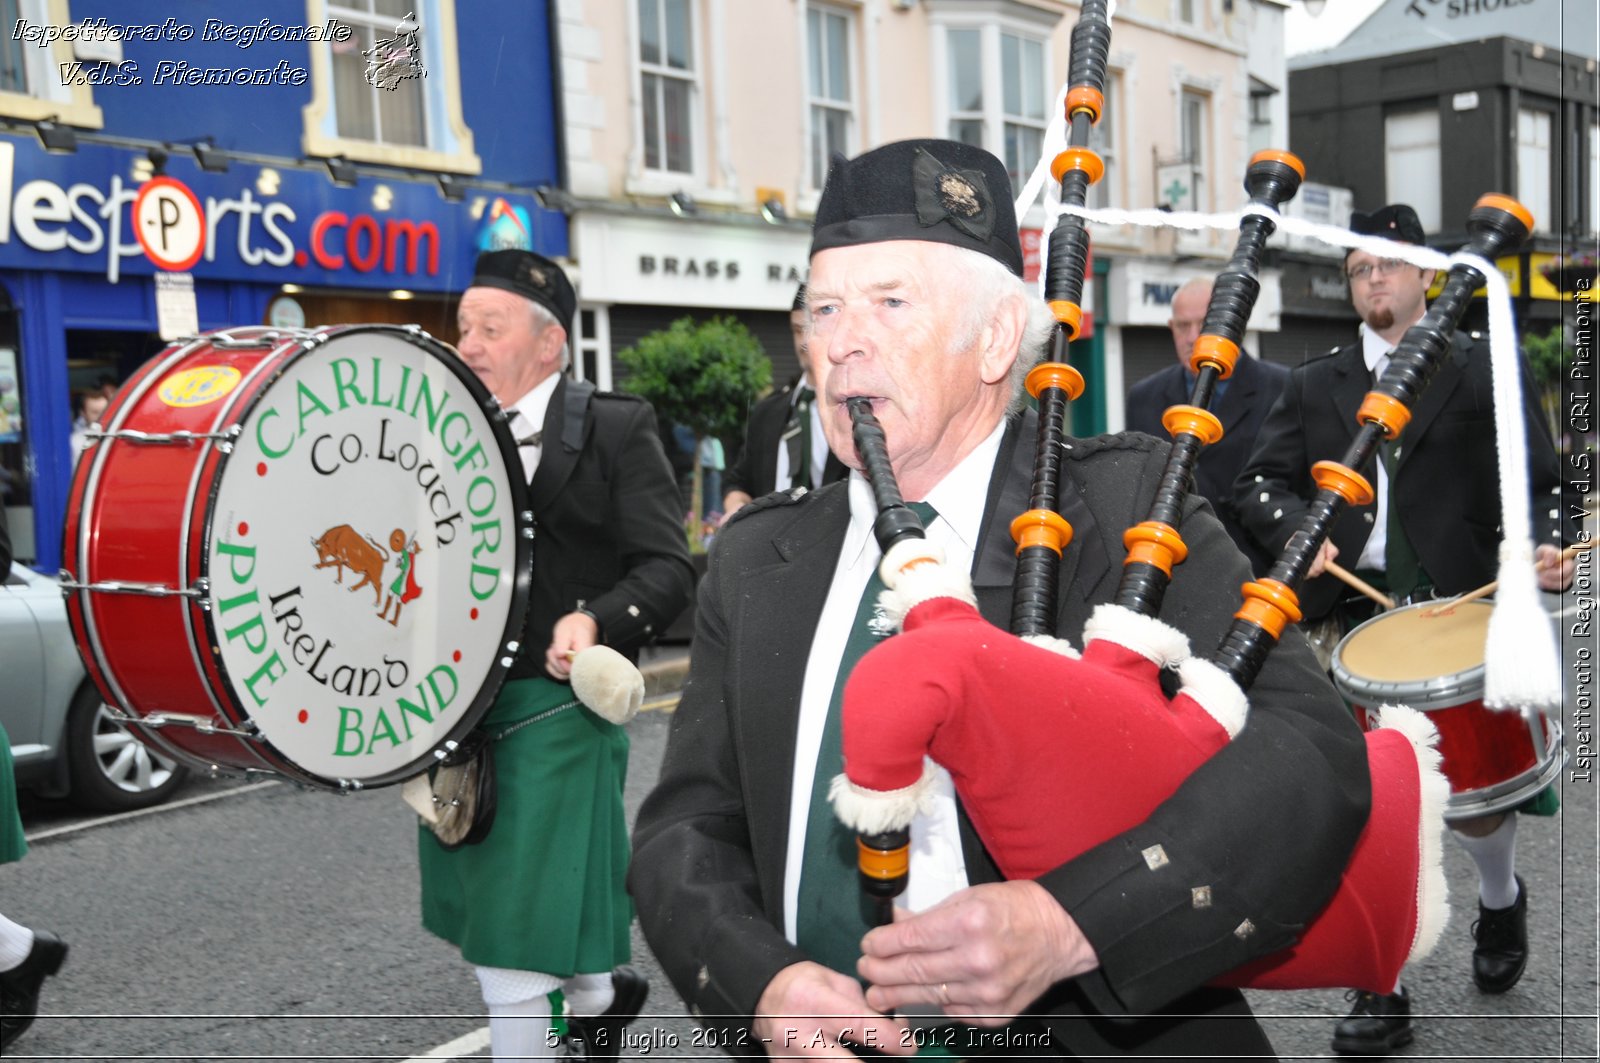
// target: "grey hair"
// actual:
[[985, 284], [540, 319]]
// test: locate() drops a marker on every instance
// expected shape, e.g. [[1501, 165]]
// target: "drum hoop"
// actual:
[[1502, 796], [522, 516], [85, 595]]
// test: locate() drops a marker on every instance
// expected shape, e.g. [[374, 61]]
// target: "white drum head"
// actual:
[[364, 554]]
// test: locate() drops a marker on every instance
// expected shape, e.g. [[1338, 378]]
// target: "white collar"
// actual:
[[535, 404], [958, 498]]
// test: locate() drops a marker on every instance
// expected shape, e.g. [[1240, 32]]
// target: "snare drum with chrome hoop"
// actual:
[[300, 552], [1495, 760]]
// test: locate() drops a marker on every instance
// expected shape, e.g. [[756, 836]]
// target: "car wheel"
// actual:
[[111, 770]]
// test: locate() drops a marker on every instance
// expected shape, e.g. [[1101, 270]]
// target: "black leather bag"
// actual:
[[464, 793]]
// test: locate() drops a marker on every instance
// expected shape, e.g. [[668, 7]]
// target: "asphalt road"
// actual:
[[266, 922]]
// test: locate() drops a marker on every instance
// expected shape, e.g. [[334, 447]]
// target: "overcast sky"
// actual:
[[1339, 17]]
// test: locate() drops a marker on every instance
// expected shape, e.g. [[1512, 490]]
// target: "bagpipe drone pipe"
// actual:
[[982, 703]]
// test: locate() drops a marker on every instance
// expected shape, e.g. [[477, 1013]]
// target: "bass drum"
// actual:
[[301, 552]]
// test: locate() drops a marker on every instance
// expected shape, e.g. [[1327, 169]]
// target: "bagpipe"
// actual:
[[983, 704]]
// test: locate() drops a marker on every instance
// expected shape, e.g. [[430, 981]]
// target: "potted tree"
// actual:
[[701, 375]]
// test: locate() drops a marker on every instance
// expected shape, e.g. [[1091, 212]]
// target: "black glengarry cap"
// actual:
[[531, 276], [1397, 221], [942, 191]]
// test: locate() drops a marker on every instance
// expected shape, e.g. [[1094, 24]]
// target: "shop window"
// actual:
[[996, 75], [16, 482], [668, 84], [30, 81], [1194, 127], [372, 102], [1411, 168], [829, 62], [1533, 167], [1594, 178]]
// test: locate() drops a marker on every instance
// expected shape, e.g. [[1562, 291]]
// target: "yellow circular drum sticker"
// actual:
[[198, 386], [363, 558]]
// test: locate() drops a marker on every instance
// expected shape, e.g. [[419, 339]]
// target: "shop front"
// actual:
[[638, 273], [1140, 292], [104, 260]]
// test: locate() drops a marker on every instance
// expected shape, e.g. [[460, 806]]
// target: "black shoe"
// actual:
[[1376, 1026], [602, 1034], [19, 987], [1502, 936]]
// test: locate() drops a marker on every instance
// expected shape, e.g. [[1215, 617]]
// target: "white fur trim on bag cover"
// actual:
[[873, 811], [908, 585], [1144, 635], [1433, 899], [1053, 644], [1215, 691]]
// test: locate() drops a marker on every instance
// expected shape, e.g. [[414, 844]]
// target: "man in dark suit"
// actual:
[[1240, 403], [539, 906], [1433, 530], [923, 310], [784, 445]]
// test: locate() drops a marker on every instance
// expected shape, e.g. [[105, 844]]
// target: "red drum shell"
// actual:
[[143, 514], [1494, 759]]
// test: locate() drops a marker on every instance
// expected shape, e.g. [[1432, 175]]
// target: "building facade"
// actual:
[[698, 135], [310, 163], [1435, 102]]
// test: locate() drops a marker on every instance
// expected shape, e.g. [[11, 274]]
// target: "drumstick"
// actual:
[[1489, 588], [1342, 573]]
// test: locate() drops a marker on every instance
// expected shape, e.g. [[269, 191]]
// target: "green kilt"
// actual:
[[12, 844], [546, 890]]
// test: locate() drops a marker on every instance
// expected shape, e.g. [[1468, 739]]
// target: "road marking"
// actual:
[[170, 806], [662, 703], [466, 1045]]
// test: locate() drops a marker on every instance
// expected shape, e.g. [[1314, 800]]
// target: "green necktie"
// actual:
[[832, 914], [1402, 568], [800, 455]]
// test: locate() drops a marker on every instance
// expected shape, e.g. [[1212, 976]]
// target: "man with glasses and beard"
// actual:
[[1433, 531]]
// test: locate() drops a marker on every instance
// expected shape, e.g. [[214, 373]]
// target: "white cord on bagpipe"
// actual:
[[1521, 664]]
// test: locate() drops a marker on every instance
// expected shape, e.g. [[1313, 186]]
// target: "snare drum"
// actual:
[[300, 552], [1494, 759]]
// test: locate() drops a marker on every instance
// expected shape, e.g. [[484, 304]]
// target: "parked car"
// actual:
[[63, 737]]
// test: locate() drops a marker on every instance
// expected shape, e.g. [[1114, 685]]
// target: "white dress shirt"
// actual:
[[938, 868], [527, 417], [1375, 352]]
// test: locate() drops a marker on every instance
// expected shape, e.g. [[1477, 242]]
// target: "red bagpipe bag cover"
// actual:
[[1053, 754]]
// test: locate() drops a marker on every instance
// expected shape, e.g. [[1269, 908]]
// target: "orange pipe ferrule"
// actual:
[[882, 864], [1086, 159], [1343, 481], [1054, 375], [1154, 543], [1389, 413], [1269, 605], [1202, 424], [1507, 204], [1088, 99], [1070, 315], [1041, 527], [1287, 158], [1215, 350]]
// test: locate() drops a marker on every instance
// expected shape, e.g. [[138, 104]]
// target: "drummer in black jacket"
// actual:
[[1433, 531]]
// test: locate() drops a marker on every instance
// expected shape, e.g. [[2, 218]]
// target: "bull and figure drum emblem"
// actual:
[[301, 552]]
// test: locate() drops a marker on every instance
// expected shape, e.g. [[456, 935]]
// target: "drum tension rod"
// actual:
[[94, 435], [200, 589]]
